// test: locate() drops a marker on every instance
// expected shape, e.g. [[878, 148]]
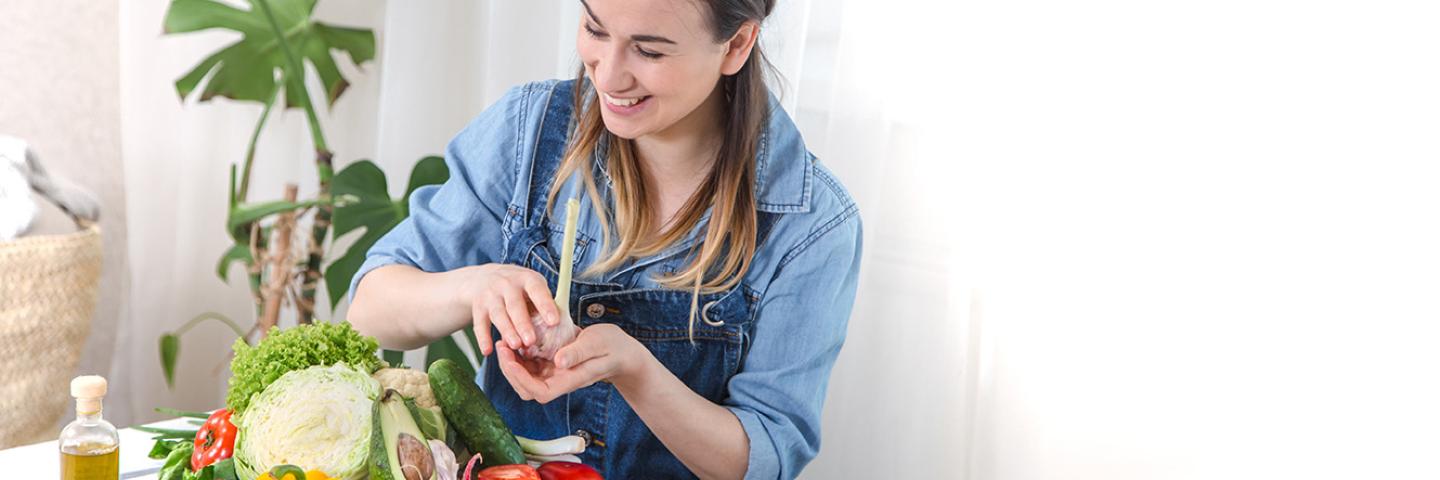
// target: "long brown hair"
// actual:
[[728, 191]]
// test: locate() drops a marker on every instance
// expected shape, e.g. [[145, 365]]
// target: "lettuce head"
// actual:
[[315, 418], [295, 348]]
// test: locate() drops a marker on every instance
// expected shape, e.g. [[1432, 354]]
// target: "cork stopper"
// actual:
[[88, 391]]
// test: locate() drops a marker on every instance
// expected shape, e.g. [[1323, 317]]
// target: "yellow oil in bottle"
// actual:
[[90, 461], [89, 446]]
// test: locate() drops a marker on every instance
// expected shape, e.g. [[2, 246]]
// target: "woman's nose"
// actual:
[[608, 72]]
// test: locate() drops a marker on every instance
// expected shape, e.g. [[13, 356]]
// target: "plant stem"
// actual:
[[324, 166], [295, 76], [240, 195], [319, 229], [210, 316], [259, 243], [279, 263]]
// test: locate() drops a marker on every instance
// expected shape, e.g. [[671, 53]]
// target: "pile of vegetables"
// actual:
[[316, 402]]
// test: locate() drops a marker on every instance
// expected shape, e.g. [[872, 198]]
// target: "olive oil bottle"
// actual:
[[89, 446]]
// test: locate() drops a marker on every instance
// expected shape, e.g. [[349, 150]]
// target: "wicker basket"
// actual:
[[48, 287]]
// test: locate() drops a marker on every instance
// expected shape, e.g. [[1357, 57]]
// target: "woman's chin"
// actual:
[[623, 130]]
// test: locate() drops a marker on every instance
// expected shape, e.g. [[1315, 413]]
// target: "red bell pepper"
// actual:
[[214, 442], [568, 471]]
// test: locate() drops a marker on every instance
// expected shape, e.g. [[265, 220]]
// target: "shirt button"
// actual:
[[584, 435], [595, 310]]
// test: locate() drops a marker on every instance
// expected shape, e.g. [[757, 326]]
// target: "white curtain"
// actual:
[[1102, 240], [1202, 238]]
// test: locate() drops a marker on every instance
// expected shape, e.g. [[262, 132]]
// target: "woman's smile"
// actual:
[[624, 105]]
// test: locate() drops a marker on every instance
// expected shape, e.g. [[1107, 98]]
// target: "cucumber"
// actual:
[[470, 412]]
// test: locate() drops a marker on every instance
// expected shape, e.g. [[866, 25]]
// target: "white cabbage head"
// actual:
[[316, 418]]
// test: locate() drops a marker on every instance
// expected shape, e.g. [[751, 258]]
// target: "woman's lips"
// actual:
[[625, 106]]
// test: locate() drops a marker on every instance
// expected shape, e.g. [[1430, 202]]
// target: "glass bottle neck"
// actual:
[[88, 417]]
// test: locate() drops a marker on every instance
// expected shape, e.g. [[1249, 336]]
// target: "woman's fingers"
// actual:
[[481, 317], [502, 320], [578, 365], [554, 383], [591, 358], [512, 369], [540, 297], [578, 352], [566, 380], [520, 378], [519, 312]]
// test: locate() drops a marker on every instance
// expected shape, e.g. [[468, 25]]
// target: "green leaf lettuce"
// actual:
[[296, 348]]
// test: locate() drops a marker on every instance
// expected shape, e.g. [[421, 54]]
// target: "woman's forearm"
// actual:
[[706, 437], [405, 308]]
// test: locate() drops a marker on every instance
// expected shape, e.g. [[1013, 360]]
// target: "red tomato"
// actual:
[[568, 471], [214, 442], [510, 472]]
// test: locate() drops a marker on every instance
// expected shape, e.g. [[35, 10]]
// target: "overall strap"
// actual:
[[550, 143], [764, 221]]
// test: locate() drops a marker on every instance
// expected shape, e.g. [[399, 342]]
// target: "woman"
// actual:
[[719, 260]]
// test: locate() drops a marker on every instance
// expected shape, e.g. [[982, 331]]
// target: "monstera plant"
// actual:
[[279, 38]]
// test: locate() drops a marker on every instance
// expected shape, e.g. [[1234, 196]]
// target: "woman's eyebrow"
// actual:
[[591, 13], [651, 38], [635, 38]]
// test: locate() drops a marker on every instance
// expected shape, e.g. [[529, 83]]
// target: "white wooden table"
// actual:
[[42, 460]]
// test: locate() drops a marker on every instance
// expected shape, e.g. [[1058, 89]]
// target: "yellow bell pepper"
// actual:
[[309, 475]]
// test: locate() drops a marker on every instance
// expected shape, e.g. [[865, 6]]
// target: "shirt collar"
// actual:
[[783, 167]]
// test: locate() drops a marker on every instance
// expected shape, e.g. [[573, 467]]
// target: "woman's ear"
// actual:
[[737, 49]]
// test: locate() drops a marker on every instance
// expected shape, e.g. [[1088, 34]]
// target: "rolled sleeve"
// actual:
[[458, 223], [778, 393]]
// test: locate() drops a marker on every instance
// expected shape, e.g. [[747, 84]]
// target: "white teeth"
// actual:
[[621, 102]]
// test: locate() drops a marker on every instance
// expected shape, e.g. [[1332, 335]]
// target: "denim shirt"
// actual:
[[794, 303]]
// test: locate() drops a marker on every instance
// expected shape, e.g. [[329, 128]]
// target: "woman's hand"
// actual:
[[602, 352], [506, 296]]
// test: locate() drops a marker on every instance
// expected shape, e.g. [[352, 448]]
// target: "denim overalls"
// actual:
[[620, 443]]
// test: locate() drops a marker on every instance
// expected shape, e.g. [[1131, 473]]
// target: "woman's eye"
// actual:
[[646, 53], [593, 32]]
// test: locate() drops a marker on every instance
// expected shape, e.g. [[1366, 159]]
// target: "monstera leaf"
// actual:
[[245, 70], [367, 204]]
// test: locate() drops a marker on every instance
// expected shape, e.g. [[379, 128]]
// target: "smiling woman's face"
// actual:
[[653, 62]]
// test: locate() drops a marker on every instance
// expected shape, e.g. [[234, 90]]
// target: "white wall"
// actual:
[[59, 75]]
